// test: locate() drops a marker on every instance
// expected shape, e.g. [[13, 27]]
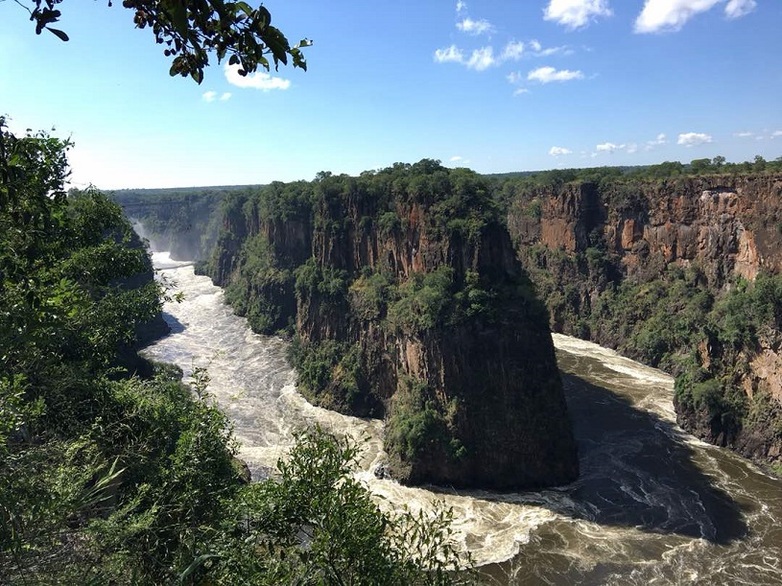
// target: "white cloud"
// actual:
[[514, 77], [632, 148], [609, 147], [211, 96], [455, 159], [512, 51], [739, 8], [776, 134], [549, 74], [520, 91], [671, 15], [481, 59], [556, 151], [450, 54], [744, 134], [689, 139], [575, 14], [661, 139], [474, 27], [461, 6], [259, 80]]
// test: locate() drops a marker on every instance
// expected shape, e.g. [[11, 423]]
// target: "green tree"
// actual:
[[191, 31], [323, 527]]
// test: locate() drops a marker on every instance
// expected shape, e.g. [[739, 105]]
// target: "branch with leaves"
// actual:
[[191, 31]]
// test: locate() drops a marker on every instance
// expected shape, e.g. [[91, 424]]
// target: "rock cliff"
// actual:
[[664, 271], [409, 304]]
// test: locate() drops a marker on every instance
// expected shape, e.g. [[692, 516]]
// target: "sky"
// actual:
[[493, 85]]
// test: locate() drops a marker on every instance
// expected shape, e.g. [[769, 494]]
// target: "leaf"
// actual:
[[244, 7], [179, 18], [58, 33]]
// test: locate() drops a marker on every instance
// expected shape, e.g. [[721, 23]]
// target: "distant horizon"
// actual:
[[246, 185]]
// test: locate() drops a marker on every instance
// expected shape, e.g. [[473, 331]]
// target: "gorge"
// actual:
[[678, 272], [651, 503]]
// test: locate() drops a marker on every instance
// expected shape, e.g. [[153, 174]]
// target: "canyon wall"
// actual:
[[679, 273], [407, 302]]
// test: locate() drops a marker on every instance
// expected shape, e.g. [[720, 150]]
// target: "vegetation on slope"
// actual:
[[701, 325], [106, 477]]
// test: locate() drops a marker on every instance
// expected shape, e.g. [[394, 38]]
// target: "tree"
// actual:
[[700, 166], [191, 31]]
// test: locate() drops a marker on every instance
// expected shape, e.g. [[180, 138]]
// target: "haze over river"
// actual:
[[653, 505]]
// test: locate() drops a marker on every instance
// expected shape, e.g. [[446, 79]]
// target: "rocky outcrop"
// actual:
[[612, 243], [727, 225], [411, 305]]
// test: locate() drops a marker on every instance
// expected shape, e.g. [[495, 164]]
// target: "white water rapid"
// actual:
[[652, 506]]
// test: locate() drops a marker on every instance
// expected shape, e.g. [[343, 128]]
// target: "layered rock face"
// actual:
[[613, 243], [726, 225], [410, 304]]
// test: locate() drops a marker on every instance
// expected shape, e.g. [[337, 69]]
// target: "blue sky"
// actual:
[[494, 85]]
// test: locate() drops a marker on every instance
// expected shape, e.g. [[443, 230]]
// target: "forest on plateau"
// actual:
[[112, 470]]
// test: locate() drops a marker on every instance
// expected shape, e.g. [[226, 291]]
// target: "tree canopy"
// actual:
[[192, 31]]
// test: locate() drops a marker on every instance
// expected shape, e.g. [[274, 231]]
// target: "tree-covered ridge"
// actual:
[[111, 478], [666, 170], [385, 280]]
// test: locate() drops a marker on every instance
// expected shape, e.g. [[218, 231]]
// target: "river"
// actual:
[[653, 505]]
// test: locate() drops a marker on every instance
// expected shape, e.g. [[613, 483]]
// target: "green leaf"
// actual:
[[58, 33], [179, 18], [244, 7]]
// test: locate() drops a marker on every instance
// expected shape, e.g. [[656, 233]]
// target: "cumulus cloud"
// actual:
[[474, 27], [575, 14], [461, 7], [661, 139], [690, 139], [739, 8], [211, 96], [513, 51], [549, 75], [671, 15], [609, 147], [450, 54], [455, 159], [557, 151], [259, 80], [479, 60]]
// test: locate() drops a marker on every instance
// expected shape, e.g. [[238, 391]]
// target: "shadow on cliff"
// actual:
[[636, 472]]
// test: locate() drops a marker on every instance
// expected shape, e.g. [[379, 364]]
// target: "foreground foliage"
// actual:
[[191, 31], [109, 477]]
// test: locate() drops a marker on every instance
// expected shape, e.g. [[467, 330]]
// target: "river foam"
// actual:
[[650, 506]]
